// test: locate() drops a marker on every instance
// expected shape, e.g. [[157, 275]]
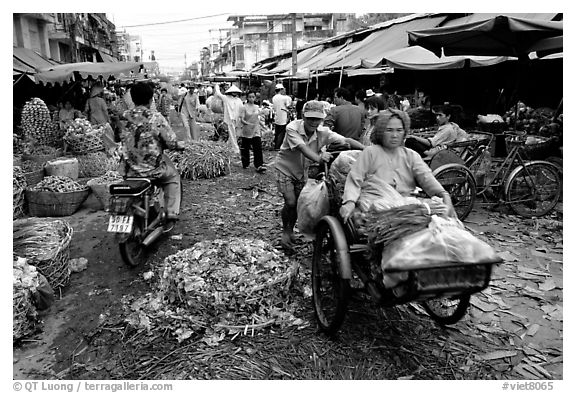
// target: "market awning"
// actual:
[[65, 72], [370, 71], [477, 17], [28, 61], [502, 35], [418, 58], [302, 57], [395, 36], [263, 67]]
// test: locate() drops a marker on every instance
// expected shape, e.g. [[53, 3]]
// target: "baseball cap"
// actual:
[[279, 86], [313, 109], [369, 93]]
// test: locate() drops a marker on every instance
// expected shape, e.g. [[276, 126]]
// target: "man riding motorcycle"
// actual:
[[143, 139]]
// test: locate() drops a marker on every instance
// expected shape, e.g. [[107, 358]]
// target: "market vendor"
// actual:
[[302, 145], [388, 161], [448, 132], [144, 138], [67, 115], [96, 109]]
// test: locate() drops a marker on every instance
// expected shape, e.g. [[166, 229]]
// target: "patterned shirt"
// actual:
[[144, 139]]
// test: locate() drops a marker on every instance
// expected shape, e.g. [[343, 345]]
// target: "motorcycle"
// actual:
[[137, 217]]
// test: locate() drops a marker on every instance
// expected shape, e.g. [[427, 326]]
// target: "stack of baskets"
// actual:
[[82, 138], [33, 160], [45, 243]]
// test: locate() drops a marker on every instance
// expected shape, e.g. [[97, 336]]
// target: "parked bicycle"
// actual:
[[530, 188]]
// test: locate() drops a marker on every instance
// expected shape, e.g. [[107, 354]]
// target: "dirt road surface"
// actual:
[[513, 330]]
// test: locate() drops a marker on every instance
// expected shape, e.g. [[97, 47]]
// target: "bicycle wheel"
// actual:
[[534, 189], [329, 290], [458, 181], [447, 310]]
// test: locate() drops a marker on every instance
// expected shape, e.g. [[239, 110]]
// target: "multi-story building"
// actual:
[[67, 37], [256, 37]]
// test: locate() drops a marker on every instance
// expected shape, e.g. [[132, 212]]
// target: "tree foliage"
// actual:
[[366, 20]]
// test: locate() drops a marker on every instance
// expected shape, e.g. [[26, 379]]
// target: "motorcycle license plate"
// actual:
[[120, 224]]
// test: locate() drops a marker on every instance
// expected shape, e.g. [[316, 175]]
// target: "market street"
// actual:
[[513, 329]]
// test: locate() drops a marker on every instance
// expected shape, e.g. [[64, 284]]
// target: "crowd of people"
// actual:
[[142, 116]]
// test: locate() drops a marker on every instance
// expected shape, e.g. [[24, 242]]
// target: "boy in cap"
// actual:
[[281, 104], [302, 145]]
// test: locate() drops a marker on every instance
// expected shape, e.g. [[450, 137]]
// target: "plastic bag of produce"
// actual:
[[378, 194], [216, 105], [342, 165], [444, 240], [313, 204]]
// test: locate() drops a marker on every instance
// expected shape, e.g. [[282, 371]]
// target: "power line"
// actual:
[[176, 21]]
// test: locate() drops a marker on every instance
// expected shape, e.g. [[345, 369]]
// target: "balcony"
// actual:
[[44, 17]]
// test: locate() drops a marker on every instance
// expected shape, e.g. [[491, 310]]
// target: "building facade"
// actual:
[[67, 37], [256, 37]]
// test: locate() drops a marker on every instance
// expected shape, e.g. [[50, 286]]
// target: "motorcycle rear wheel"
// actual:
[[132, 251]]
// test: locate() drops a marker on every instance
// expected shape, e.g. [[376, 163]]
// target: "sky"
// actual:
[[175, 37]]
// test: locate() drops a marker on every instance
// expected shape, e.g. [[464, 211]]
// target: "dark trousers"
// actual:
[[279, 132], [417, 146], [255, 144]]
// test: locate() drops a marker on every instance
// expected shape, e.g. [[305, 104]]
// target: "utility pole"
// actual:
[[294, 51]]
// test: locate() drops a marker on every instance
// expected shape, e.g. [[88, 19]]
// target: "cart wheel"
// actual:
[[447, 310], [330, 291], [534, 189], [458, 181]]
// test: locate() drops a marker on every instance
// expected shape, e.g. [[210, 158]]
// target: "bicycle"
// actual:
[[530, 188]]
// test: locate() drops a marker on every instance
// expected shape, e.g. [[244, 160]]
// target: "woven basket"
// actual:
[[543, 148], [102, 192], [56, 269], [55, 204], [23, 313], [96, 164], [17, 204], [41, 158], [87, 143], [34, 177]]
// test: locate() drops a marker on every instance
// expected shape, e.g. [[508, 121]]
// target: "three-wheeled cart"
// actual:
[[340, 251]]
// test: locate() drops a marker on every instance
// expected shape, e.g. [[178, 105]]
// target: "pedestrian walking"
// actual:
[[251, 134], [165, 103], [232, 105], [345, 118], [188, 107], [281, 105], [302, 145]]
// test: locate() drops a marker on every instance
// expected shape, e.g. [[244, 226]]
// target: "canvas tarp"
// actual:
[[376, 44], [29, 61], [65, 72], [418, 58]]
